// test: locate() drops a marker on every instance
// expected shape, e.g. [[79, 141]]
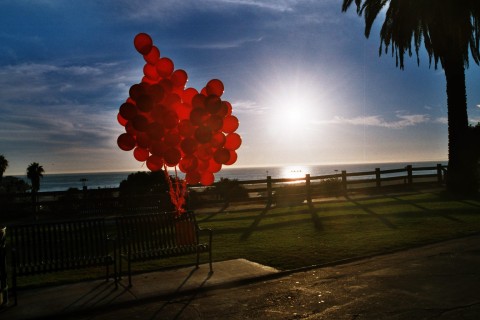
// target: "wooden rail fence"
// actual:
[[269, 190]]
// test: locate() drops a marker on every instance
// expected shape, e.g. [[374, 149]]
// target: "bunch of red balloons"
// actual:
[[169, 125]]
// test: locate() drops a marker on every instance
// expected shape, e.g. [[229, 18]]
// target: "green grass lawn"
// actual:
[[326, 231], [293, 237]]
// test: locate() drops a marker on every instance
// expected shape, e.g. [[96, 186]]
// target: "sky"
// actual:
[[304, 82]]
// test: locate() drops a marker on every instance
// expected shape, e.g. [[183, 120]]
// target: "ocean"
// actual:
[[62, 182]]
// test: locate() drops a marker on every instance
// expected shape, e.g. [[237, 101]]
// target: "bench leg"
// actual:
[[210, 259], [14, 288], [129, 273]]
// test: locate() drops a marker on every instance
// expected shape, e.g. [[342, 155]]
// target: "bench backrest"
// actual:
[[145, 232], [49, 247]]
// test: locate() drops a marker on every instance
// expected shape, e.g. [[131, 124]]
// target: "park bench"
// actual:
[[154, 236], [42, 248]]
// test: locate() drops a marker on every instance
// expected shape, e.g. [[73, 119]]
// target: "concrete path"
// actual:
[[440, 281]]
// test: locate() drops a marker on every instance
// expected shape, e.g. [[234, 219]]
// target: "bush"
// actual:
[[230, 190]]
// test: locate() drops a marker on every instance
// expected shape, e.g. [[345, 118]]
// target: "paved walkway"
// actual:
[[439, 281]]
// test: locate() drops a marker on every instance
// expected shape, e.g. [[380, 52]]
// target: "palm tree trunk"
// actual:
[[461, 178]]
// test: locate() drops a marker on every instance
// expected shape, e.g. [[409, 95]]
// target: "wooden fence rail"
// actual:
[[269, 190]]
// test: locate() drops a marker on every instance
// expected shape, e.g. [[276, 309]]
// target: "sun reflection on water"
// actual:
[[293, 172]]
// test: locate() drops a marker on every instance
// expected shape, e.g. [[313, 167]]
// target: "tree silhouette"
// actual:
[[450, 33], [35, 173], [3, 166]]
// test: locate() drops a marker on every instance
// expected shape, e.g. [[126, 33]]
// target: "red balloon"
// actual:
[[213, 104], [170, 119], [140, 123], [172, 157], [121, 120], [153, 56], [150, 71], [179, 78], [203, 165], [141, 154], [221, 156], [146, 80], [233, 158], [156, 92], [207, 178], [186, 128], [188, 145], [214, 87], [213, 166], [158, 148], [136, 91], [145, 103], [188, 164], [198, 101], [155, 163], [142, 140], [228, 105], [204, 152], [223, 110], [203, 134], [230, 124], [193, 177], [143, 43], [198, 116], [155, 131], [164, 67], [188, 94], [232, 141], [172, 138], [171, 99], [215, 122], [166, 84], [218, 140], [183, 110], [129, 129], [128, 111], [126, 142]]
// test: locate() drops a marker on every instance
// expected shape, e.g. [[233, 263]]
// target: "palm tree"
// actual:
[[3, 166], [450, 32], [35, 173]]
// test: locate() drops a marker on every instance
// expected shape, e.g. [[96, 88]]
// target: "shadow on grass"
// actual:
[[255, 223], [317, 222], [372, 213], [427, 210]]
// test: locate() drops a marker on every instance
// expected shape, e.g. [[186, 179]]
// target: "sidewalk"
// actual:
[[439, 281]]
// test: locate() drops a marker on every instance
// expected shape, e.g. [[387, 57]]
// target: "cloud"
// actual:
[[248, 107], [228, 44], [402, 121], [274, 5]]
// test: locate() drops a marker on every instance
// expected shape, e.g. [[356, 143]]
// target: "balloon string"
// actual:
[[177, 192]]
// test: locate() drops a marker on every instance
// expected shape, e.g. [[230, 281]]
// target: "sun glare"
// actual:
[[292, 113]]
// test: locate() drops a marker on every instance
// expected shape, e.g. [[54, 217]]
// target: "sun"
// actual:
[[292, 114]]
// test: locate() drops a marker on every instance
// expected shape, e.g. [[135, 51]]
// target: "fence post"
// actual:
[[344, 180], [409, 174], [269, 191], [307, 187], [378, 181], [439, 173]]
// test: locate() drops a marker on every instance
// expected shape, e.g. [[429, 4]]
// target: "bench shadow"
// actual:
[[185, 303]]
